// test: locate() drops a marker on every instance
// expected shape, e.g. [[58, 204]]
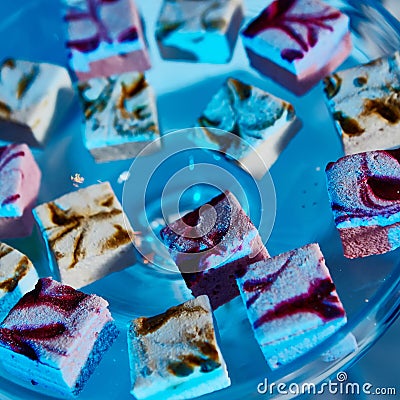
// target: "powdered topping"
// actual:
[[245, 111], [102, 33], [278, 15], [258, 286], [11, 173]]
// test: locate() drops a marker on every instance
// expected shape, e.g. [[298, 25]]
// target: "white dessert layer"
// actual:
[[270, 42], [119, 124], [87, 234], [19, 176], [241, 239], [282, 352], [181, 336], [116, 17], [31, 91]]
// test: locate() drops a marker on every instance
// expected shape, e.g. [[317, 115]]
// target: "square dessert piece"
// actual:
[[87, 234], [104, 38], [297, 42], [261, 125], [365, 104], [54, 337], [120, 116], [175, 355], [17, 276], [199, 30], [32, 97], [364, 193], [291, 303], [213, 244], [19, 187]]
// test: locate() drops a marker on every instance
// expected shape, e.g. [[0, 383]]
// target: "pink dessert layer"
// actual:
[[105, 38], [20, 182], [364, 192], [212, 245], [300, 85]]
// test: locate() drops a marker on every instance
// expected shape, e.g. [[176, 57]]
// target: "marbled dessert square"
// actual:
[[104, 38], [213, 244], [364, 193], [87, 234], [19, 187], [32, 98], [365, 104], [291, 303], [17, 276], [199, 30], [120, 116], [260, 123], [175, 355], [297, 42], [54, 337]]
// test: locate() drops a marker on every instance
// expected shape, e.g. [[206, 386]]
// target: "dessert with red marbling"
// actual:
[[54, 337], [297, 42], [20, 183], [211, 245]]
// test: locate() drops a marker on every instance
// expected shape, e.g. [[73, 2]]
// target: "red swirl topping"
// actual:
[[25, 338], [319, 300], [377, 194], [277, 16], [93, 14]]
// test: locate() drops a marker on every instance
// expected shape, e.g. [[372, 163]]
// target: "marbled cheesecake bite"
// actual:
[[261, 125], [32, 98], [365, 104], [364, 191], [87, 234], [17, 276], [213, 244], [199, 30], [54, 337], [20, 178], [104, 38], [175, 355], [297, 42], [292, 305], [120, 116]]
